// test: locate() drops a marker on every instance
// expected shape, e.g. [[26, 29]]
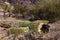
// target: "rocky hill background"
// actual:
[[20, 1], [31, 9]]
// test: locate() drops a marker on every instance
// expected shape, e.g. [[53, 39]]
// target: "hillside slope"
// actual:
[[20, 1]]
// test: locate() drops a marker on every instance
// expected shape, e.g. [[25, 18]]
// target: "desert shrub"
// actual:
[[43, 10], [19, 10], [48, 10]]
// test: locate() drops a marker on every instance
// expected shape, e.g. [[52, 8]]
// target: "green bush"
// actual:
[[19, 10]]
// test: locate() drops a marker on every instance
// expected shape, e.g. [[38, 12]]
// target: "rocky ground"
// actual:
[[53, 34]]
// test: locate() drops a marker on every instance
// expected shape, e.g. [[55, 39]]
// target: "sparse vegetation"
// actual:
[[43, 10], [30, 19]]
